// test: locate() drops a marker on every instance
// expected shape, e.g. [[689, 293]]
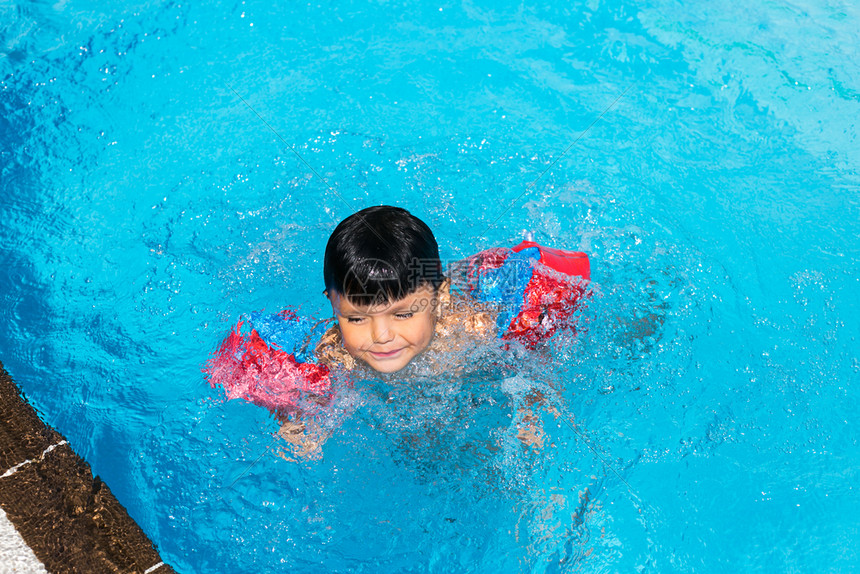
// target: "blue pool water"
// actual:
[[145, 207]]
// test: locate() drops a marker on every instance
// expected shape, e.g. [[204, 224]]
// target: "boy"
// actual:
[[393, 304]]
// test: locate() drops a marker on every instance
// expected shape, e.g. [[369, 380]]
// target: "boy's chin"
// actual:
[[386, 368]]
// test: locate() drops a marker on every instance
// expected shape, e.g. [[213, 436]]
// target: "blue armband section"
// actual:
[[506, 285], [290, 333]]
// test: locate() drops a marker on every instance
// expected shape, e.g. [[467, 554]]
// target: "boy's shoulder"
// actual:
[[330, 350], [461, 313]]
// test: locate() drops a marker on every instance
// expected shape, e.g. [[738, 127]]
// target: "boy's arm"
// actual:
[[530, 396], [644, 323]]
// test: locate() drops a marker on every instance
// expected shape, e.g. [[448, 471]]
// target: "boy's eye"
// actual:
[[407, 315], [354, 319]]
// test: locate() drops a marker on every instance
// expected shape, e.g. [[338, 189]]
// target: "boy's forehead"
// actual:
[[344, 305]]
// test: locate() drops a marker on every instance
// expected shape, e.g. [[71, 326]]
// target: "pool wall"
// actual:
[[69, 518]]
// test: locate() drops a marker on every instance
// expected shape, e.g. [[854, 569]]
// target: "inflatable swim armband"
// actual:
[[536, 289], [269, 360]]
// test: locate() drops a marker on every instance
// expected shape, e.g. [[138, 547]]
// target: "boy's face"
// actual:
[[388, 336]]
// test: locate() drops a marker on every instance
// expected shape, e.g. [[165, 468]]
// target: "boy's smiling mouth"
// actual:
[[385, 355]]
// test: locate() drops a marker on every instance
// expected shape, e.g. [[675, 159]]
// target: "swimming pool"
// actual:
[[145, 207]]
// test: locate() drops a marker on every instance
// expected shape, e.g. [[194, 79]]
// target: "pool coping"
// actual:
[[68, 517]]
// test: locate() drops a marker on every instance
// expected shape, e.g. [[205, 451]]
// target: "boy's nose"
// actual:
[[381, 332]]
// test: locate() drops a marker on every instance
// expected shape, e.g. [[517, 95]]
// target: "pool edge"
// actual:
[[69, 518]]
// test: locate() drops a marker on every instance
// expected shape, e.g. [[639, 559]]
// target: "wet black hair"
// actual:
[[381, 254]]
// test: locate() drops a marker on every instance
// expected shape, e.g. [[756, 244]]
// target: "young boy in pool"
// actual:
[[390, 298], [393, 306]]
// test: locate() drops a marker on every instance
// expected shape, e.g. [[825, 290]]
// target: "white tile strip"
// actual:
[[15, 555], [15, 468], [152, 569]]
